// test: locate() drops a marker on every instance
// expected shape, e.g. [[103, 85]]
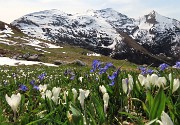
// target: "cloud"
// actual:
[[123, 1], [13, 9]]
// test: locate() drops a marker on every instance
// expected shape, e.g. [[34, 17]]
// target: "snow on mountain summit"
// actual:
[[53, 24], [158, 33], [101, 29]]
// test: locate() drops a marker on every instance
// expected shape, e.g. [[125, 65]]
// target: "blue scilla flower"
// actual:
[[150, 71], [13, 74], [105, 68], [163, 66], [32, 82], [36, 87], [113, 77], [177, 65], [42, 76], [23, 88], [67, 72], [145, 71], [72, 77], [95, 65]]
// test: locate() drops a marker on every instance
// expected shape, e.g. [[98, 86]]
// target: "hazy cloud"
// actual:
[[13, 9]]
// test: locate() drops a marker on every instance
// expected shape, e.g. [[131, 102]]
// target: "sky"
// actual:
[[14, 9]]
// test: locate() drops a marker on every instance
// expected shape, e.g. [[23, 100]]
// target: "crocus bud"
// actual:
[[125, 85], [176, 84], [170, 77], [74, 91], [106, 100], [102, 89]]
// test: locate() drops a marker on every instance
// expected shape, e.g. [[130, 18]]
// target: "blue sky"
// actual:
[[13, 9]]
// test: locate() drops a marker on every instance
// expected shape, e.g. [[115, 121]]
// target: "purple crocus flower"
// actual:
[[23, 88], [163, 66]]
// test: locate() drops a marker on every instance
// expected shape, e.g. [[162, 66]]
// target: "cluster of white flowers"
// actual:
[[54, 94], [127, 84], [155, 80]]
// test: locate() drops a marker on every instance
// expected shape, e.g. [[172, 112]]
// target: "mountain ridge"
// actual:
[[100, 30]]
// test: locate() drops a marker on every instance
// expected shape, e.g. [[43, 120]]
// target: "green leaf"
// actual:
[[77, 117], [150, 100], [132, 117], [99, 109], [158, 105]]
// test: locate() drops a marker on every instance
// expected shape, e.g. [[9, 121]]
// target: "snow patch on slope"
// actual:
[[13, 62]]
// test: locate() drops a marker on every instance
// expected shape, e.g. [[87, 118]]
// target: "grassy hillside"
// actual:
[[15, 43]]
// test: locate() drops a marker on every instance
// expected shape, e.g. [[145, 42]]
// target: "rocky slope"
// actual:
[[158, 34], [152, 37]]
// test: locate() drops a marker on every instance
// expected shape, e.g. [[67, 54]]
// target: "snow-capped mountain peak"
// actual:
[[101, 29]]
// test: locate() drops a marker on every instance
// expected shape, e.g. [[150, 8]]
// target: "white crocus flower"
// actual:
[[83, 94], [124, 85], [65, 96], [154, 79], [176, 85], [161, 82], [146, 83], [170, 77], [165, 119], [48, 94], [42, 88], [106, 100], [102, 89], [55, 99], [130, 80], [80, 79], [56, 91], [141, 78], [127, 84], [74, 91], [14, 102]]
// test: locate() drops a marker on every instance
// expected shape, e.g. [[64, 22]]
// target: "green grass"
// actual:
[[140, 101], [71, 52]]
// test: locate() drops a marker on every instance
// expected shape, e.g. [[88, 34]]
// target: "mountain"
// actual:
[[151, 39], [158, 34]]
